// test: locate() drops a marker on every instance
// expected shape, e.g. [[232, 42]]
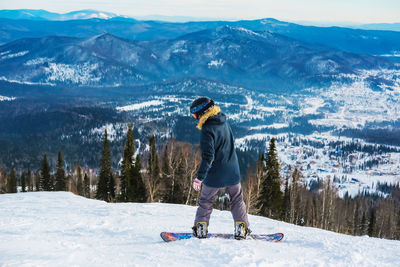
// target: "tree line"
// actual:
[[77, 182], [150, 177], [290, 199], [165, 174]]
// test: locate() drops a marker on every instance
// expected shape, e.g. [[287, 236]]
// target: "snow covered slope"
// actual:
[[61, 229]]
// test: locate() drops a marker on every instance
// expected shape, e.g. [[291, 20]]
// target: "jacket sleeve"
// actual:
[[207, 153]]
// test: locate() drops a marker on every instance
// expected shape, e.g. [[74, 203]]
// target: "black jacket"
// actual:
[[219, 166]]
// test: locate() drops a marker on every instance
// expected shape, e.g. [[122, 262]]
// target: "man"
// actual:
[[219, 168]]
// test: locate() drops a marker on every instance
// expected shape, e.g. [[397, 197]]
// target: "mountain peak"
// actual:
[[40, 14], [223, 32], [226, 29], [270, 20], [103, 37], [88, 14]]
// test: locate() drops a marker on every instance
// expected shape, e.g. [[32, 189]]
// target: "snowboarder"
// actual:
[[219, 168]]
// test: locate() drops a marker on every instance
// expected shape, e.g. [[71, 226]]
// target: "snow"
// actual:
[[140, 105], [216, 63], [311, 105], [316, 163], [18, 54], [83, 73], [4, 53], [250, 102], [111, 131], [320, 165], [6, 98], [241, 142], [100, 15], [394, 54], [37, 61], [271, 109], [323, 66], [91, 15], [243, 30], [177, 47], [248, 31], [2, 78], [356, 104], [180, 50], [61, 229], [274, 126]]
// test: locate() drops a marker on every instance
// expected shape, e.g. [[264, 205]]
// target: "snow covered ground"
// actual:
[[6, 98], [316, 163], [140, 105], [61, 229]]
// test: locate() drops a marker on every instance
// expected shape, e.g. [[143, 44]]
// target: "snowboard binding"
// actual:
[[241, 231], [200, 230]]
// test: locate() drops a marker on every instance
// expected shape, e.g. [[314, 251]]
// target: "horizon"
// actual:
[[318, 12], [183, 19]]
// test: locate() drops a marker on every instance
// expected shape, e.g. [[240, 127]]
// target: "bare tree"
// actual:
[[251, 188]]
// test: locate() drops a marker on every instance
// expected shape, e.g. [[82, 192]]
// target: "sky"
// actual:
[[340, 11]]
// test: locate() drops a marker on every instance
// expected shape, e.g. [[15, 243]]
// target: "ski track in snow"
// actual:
[[61, 229]]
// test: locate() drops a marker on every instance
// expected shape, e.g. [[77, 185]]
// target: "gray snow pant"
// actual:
[[207, 198]]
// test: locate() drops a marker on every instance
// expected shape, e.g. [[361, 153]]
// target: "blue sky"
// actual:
[[355, 11]]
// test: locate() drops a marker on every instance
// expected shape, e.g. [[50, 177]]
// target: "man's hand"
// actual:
[[196, 184]]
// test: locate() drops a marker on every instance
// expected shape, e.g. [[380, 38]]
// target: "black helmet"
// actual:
[[200, 106]]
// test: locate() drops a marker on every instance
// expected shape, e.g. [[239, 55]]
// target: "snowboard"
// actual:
[[170, 236]]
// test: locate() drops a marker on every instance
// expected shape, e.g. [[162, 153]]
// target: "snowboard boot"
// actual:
[[200, 230], [241, 231]]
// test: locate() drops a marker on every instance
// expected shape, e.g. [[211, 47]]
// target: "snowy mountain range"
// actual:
[[351, 40], [40, 14], [264, 61], [62, 229]]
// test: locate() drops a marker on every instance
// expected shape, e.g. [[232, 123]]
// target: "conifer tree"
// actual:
[[52, 182], [45, 181], [294, 197], [37, 182], [127, 165], [60, 179], [139, 190], [131, 189], [111, 188], [23, 182], [105, 184], [79, 181], [86, 186], [270, 198], [12, 181], [30, 181]]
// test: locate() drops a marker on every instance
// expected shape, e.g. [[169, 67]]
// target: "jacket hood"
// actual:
[[213, 111], [220, 118]]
